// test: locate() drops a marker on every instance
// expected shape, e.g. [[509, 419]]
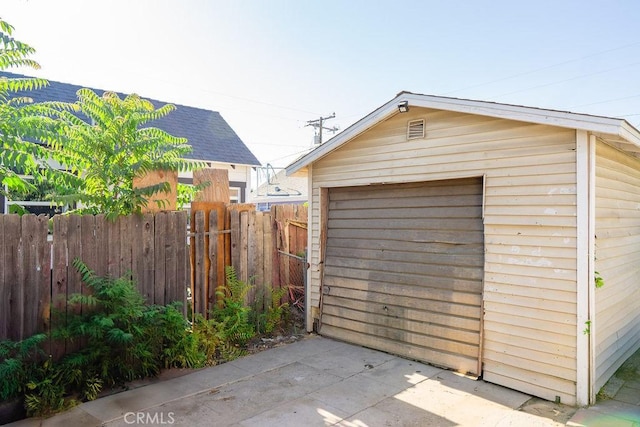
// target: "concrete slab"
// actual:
[[280, 356], [319, 381], [117, 405], [585, 417], [300, 378], [347, 360], [491, 392], [395, 412], [215, 376], [618, 410], [352, 395], [398, 373], [300, 412], [73, 417]]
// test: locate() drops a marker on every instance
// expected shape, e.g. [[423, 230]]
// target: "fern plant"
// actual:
[[17, 363], [125, 339], [234, 314], [275, 312]]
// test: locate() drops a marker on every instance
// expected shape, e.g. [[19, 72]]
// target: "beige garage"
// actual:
[[403, 270], [553, 198]]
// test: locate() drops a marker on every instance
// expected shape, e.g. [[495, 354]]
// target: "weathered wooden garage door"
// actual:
[[403, 270]]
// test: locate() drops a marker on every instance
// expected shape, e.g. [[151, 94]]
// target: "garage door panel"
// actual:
[[465, 364], [462, 260], [434, 306], [403, 270], [465, 211], [413, 224], [456, 284], [408, 247], [397, 319], [424, 270], [467, 323], [393, 290], [441, 190], [417, 236], [439, 344]]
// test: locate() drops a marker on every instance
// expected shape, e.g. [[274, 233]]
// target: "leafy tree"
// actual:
[[21, 121], [102, 156]]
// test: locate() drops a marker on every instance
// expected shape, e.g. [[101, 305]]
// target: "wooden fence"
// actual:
[[255, 244], [37, 274]]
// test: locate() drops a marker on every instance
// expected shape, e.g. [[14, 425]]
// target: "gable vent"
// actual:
[[415, 129]]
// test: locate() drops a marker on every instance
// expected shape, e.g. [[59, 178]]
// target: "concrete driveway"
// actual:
[[316, 382]]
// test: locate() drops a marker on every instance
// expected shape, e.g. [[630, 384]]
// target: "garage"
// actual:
[[403, 270], [477, 236]]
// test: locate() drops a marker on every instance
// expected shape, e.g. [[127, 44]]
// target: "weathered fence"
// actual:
[[255, 244], [37, 273]]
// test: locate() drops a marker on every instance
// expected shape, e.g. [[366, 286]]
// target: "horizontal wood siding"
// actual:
[[617, 320], [404, 265], [529, 229]]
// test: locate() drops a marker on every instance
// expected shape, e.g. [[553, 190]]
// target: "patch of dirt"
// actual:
[[294, 331], [546, 409]]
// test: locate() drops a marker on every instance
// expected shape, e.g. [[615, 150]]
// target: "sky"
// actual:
[[270, 66]]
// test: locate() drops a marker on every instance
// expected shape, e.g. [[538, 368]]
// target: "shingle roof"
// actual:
[[210, 136]]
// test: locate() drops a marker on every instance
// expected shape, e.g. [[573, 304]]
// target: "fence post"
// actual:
[[199, 294], [215, 241]]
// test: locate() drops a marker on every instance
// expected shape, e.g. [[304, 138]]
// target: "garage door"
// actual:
[[403, 270]]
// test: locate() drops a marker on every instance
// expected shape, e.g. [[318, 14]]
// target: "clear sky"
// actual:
[[269, 66]]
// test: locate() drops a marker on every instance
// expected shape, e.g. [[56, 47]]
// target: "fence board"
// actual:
[[126, 240], [113, 250], [236, 248], [243, 266], [216, 254], [145, 274], [102, 245], [42, 276], [200, 287], [59, 280], [182, 271], [5, 288], [16, 277], [252, 261], [267, 243], [160, 255]]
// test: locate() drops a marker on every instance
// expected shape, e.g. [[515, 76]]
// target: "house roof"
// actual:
[[617, 132], [209, 135]]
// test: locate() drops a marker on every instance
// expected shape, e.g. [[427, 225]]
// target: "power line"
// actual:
[[567, 80], [544, 68]]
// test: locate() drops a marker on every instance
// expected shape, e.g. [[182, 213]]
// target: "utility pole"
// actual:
[[318, 125]]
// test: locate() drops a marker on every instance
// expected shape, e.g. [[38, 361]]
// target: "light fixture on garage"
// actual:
[[403, 107]]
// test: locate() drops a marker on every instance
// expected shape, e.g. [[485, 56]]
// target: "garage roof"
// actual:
[[617, 132]]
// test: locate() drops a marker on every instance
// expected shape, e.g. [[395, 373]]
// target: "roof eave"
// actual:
[[597, 124]]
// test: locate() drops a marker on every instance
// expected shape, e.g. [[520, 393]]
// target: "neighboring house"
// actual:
[[276, 188], [469, 235], [212, 139]]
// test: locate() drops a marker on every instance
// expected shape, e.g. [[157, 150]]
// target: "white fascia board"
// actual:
[[525, 114]]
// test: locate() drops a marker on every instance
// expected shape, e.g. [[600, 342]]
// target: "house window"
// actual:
[[234, 195], [415, 129], [33, 201]]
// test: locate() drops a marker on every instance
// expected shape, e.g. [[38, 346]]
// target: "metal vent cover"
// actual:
[[415, 129]]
